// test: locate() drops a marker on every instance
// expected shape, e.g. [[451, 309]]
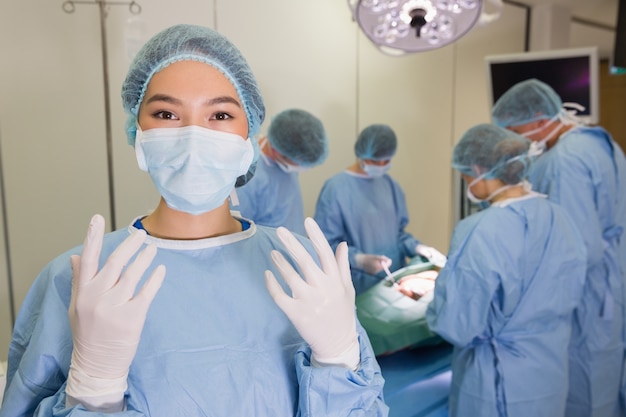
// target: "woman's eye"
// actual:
[[165, 115], [221, 116]]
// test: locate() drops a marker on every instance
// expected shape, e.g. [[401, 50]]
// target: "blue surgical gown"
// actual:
[[585, 173], [505, 300], [214, 342], [272, 197], [369, 214]]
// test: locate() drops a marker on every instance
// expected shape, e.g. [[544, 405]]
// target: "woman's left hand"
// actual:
[[322, 304]]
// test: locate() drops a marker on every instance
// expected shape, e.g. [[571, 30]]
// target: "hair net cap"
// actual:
[[196, 43], [526, 102], [377, 142], [491, 149], [299, 136]]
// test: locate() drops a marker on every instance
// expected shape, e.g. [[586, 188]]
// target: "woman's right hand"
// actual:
[[105, 314]]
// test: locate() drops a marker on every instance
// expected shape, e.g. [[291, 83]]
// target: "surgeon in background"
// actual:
[[209, 330], [514, 275], [366, 208], [295, 141], [584, 171]]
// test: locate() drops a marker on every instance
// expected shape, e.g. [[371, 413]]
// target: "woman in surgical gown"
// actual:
[[506, 296], [365, 207], [205, 334]]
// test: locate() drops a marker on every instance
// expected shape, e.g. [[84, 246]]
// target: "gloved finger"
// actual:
[[300, 256], [322, 248], [282, 300], [423, 250], [75, 264], [385, 261], [290, 275], [125, 288], [91, 250], [113, 267], [152, 286], [343, 263]]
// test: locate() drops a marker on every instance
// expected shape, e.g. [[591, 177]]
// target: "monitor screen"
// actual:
[[573, 73]]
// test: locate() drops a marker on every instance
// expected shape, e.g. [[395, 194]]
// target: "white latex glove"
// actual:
[[372, 264], [322, 305], [433, 255], [106, 317]]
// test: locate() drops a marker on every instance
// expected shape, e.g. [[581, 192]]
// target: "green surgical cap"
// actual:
[[299, 136], [377, 142], [491, 149], [195, 43], [526, 102]]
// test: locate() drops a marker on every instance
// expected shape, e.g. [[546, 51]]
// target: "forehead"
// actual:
[[378, 162], [191, 77], [522, 128]]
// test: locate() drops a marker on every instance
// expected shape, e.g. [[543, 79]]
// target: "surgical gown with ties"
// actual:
[[505, 300], [214, 342], [369, 214], [585, 173], [272, 197]]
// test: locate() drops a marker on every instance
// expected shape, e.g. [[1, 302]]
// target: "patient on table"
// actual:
[[417, 285]]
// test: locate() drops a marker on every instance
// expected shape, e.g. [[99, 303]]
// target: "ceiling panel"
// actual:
[[600, 11]]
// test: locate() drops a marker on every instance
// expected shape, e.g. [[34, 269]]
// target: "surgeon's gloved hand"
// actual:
[[372, 264], [106, 318], [322, 305], [433, 255]]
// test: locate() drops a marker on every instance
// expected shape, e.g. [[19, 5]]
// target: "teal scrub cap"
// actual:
[[494, 151], [526, 102], [377, 142], [299, 136]]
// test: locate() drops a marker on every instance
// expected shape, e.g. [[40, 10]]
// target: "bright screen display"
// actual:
[[572, 74]]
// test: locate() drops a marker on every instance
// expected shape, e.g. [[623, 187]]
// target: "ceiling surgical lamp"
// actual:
[[398, 27]]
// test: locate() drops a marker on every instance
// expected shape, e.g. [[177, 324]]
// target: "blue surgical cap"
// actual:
[[299, 136], [196, 43], [493, 150], [526, 102], [377, 142]]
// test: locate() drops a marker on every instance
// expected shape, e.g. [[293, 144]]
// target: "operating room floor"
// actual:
[[417, 381]]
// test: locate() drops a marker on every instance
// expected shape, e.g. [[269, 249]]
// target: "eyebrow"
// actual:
[[172, 100]]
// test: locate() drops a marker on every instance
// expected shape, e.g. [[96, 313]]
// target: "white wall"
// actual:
[[307, 54], [5, 303]]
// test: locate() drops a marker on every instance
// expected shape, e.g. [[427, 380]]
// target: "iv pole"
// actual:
[[135, 8]]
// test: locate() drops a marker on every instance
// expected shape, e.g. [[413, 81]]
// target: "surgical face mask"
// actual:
[[564, 117], [283, 165], [192, 167], [539, 147], [374, 171], [484, 202], [289, 168]]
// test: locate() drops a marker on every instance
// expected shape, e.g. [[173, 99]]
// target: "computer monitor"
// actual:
[[573, 73]]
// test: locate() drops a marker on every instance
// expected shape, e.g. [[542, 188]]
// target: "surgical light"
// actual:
[[397, 27]]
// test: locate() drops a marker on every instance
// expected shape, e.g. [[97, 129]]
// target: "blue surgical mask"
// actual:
[[563, 117], [375, 171], [486, 202], [193, 168], [289, 168], [539, 147], [482, 203], [283, 165]]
